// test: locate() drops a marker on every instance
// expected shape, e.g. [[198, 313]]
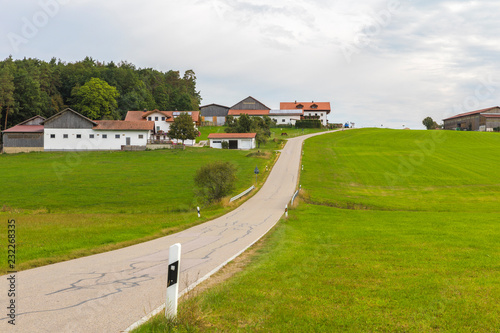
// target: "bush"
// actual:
[[215, 180], [225, 144], [308, 123]]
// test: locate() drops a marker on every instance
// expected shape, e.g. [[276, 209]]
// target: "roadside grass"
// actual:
[[67, 205], [411, 254]]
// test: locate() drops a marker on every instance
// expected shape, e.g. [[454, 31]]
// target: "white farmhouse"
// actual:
[[242, 141]]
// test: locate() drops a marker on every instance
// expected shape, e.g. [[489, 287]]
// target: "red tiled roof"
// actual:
[[248, 112], [307, 106], [169, 115], [25, 129], [471, 113], [123, 125], [232, 135]]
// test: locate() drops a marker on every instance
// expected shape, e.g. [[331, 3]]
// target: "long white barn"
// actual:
[[70, 131]]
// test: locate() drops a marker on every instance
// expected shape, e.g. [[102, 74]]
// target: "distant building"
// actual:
[[311, 110], [484, 120], [213, 115], [235, 140], [24, 137]]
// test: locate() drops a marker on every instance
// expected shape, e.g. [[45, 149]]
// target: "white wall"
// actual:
[[288, 120], [161, 125], [72, 143], [244, 144], [322, 115]]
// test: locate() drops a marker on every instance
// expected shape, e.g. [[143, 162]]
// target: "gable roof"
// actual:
[[37, 117], [57, 115], [232, 135], [213, 104], [472, 113], [122, 125], [306, 106], [249, 103], [248, 112]]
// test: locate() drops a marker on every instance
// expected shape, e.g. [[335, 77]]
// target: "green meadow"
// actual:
[[396, 231], [67, 205]]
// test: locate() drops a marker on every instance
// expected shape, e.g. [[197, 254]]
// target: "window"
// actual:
[[282, 120], [157, 128], [156, 118], [163, 118], [149, 118], [104, 136], [78, 136], [65, 136], [216, 141], [117, 136], [52, 136], [91, 136], [141, 136]]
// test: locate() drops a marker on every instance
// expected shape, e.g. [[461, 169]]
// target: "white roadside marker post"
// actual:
[[286, 210], [198, 208], [174, 262]]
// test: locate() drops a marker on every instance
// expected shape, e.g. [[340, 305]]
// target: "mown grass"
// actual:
[[68, 205], [395, 261]]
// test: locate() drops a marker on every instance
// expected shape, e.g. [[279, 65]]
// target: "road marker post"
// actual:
[[198, 209], [174, 262], [286, 210]]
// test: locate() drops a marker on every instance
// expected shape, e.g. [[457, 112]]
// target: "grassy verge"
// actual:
[[409, 255]]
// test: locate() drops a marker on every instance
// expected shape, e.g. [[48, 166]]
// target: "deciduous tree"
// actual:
[[183, 128], [95, 99], [215, 180]]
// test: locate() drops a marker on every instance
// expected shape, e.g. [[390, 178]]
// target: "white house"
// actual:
[[242, 141], [162, 121], [311, 110], [70, 131]]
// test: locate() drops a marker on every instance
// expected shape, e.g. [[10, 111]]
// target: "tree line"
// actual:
[[99, 90]]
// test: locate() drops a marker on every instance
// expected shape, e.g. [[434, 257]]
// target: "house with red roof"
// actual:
[[310, 110], [242, 141], [484, 120]]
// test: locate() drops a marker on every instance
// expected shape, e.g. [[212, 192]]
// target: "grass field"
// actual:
[[71, 204], [398, 233]]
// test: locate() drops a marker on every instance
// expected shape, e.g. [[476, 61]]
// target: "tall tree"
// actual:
[[96, 99], [183, 128], [6, 88], [428, 123]]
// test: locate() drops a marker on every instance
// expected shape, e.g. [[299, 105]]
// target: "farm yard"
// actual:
[[397, 231]]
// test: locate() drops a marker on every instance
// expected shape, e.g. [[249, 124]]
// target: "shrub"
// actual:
[[215, 180]]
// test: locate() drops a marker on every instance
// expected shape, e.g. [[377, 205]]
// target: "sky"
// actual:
[[380, 63]]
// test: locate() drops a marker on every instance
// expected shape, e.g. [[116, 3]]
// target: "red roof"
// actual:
[[491, 115], [232, 135], [471, 113], [25, 129], [306, 106], [169, 115], [248, 112], [123, 125]]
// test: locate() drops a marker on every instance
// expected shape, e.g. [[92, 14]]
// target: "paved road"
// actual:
[[110, 291]]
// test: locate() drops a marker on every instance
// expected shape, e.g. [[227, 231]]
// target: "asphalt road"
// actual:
[[108, 292]]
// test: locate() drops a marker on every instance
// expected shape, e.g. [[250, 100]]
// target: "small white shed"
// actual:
[[242, 141]]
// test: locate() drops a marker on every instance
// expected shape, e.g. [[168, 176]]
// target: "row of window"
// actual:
[[91, 136], [156, 118]]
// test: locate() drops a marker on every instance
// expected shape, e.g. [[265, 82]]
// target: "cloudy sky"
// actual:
[[384, 63]]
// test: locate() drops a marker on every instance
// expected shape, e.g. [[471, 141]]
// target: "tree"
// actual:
[[95, 99], [215, 180], [183, 128], [6, 89], [429, 123]]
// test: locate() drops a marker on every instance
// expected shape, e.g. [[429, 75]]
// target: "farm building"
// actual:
[[162, 121], [479, 120], [213, 114], [310, 110], [235, 140], [24, 137], [285, 117], [70, 131]]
